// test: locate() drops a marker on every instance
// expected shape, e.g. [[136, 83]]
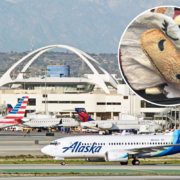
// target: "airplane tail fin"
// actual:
[[18, 112], [9, 107], [83, 115]]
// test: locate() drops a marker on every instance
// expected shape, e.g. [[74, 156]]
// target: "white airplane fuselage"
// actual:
[[119, 124], [114, 148], [48, 122]]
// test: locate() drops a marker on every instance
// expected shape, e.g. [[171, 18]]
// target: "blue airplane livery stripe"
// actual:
[[18, 105], [171, 150], [125, 156], [16, 110]]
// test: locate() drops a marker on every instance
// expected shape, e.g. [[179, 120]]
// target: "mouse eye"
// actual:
[[178, 76], [161, 44]]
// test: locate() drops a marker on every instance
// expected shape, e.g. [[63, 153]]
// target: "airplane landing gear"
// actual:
[[135, 162], [124, 163], [63, 163]]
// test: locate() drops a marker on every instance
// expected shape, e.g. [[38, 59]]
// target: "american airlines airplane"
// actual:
[[114, 148], [87, 121], [16, 116]]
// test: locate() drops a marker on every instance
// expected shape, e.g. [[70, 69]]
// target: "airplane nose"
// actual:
[[44, 150]]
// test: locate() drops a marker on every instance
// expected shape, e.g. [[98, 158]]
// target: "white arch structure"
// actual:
[[97, 79]]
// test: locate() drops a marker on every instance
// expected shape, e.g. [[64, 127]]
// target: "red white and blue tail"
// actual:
[[83, 115], [18, 112]]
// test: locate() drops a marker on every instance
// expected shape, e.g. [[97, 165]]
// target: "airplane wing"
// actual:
[[50, 126], [91, 127], [150, 149]]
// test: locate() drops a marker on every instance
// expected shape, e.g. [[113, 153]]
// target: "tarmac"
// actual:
[[17, 143], [72, 169]]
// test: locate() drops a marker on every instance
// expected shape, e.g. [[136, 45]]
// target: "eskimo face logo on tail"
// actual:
[[78, 148]]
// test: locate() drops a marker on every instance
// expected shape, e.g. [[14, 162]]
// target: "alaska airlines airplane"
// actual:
[[87, 121], [114, 148], [16, 116]]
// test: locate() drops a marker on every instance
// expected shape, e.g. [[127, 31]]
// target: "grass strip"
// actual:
[[36, 174], [130, 171]]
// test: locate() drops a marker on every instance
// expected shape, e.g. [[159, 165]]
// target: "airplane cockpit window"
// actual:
[[55, 143]]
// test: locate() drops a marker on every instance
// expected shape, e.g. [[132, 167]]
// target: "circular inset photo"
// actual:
[[149, 55]]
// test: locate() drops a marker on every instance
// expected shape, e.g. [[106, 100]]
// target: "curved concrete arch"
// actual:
[[20, 76], [96, 79], [6, 77], [111, 79]]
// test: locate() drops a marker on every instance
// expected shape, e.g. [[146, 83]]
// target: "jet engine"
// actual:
[[105, 125], [116, 156], [95, 160]]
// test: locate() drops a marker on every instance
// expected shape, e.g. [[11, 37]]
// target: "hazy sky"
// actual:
[[90, 25]]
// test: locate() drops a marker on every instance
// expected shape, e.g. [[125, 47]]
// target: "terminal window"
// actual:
[[113, 103], [65, 102], [31, 102], [101, 103]]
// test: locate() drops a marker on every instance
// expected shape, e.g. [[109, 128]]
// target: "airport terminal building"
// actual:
[[58, 93]]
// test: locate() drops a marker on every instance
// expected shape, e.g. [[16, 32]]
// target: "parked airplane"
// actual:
[[45, 122], [16, 115], [87, 121], [114, 148]]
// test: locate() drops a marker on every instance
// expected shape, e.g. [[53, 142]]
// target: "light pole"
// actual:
[[27, 72], [45, 72]]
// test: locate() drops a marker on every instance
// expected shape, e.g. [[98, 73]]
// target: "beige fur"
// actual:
[[167, 62]]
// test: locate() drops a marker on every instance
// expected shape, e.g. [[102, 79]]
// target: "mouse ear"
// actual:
[[177, 20], [168, 11], [161, 10]]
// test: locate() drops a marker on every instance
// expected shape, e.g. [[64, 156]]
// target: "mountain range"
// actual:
[[94, 26]]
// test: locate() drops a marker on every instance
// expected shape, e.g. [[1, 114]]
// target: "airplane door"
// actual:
[[70, 142]]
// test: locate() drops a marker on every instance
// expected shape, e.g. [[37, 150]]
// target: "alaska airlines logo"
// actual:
[[76, 147]]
